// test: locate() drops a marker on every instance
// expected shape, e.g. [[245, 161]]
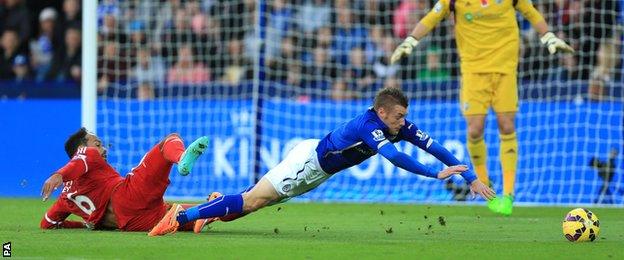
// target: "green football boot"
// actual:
[[506, 205], [191, 154], [494, 204]]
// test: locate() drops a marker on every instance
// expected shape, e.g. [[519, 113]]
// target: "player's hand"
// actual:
[[553, 43], [477, 187], [457, 169], [50, 185], [404, 49]]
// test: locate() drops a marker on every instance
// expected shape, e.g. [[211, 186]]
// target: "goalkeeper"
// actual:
[[488, 41], [311, 162]]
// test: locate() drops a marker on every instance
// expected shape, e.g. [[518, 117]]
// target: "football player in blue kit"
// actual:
[[313, 161]]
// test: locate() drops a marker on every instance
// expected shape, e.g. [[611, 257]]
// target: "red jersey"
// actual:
[[89, 182]]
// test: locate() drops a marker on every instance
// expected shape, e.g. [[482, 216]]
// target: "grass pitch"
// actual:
[[328, 231]]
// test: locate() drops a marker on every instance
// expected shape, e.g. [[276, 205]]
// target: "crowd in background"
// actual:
[[338, 47]]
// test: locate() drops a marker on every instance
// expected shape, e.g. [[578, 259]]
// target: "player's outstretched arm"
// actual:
[[51, 184], [410, 164], [477, 187], [548, 39]]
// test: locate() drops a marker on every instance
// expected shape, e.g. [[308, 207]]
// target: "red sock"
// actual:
[[172, 148]]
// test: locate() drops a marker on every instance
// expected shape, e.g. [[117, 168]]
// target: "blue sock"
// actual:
[[218, 207]]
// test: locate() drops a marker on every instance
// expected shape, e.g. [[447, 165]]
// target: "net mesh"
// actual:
[[259, 76]]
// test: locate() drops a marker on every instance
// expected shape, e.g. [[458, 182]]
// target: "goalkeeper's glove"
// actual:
[[553, 43], [404, 49]]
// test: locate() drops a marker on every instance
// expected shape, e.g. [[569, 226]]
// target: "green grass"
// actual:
[[328, 231]]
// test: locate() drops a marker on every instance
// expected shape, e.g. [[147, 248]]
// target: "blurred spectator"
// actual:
[[347, 35], [359, 75], [321, 69], [279, 23], [145, 91], [136, 30], [186, 70], [207, 43], [149, 69], [178, 35], [107, 8], [16, 17], [293, 76], [251, 42], [72, 16], [596, 27], [42, 48], [340, 91], [406, 15], [10, 49], [110, 29], [382, 66], [112, 68], [111, 25], [433, 70], [342, 4], [379, 12], [600, 52], [313, 14], [21, 69], [566, 70], [374, 49], [238, 68], [279, 66], [235, 26], [323, 37], [66, 62], [392, 82], [138, 39]]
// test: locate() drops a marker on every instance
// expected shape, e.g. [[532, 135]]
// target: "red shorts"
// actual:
[[138, 201]]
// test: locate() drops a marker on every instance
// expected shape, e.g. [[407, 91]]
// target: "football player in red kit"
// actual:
[[96, 192]]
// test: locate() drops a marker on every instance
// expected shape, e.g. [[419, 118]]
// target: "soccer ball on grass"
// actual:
[[581, 225]]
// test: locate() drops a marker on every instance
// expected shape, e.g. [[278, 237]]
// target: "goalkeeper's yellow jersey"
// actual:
[[486, 32]]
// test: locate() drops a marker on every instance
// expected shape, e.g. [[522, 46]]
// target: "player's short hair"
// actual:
[[75, 140], [388, 97]]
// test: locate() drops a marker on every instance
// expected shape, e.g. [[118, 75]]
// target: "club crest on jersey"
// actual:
[[378, 135], [438, 7], [499, 2], [484, 3]]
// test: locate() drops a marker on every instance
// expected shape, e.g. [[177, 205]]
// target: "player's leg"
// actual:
[[258, 197], [150, 178], [476, 146], [190, 155], [199, 224], [296, 174], [139, 201], [475, 100], [506, 105], [232, 217]]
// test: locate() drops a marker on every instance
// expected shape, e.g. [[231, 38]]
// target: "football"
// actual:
[[581, 225]]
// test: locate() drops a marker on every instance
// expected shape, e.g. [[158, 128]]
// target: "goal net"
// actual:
[[257, 77]]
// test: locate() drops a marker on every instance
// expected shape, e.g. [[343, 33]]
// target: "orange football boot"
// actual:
[[201, 223]]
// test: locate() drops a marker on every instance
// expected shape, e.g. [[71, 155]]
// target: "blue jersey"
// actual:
[[361, 138]]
